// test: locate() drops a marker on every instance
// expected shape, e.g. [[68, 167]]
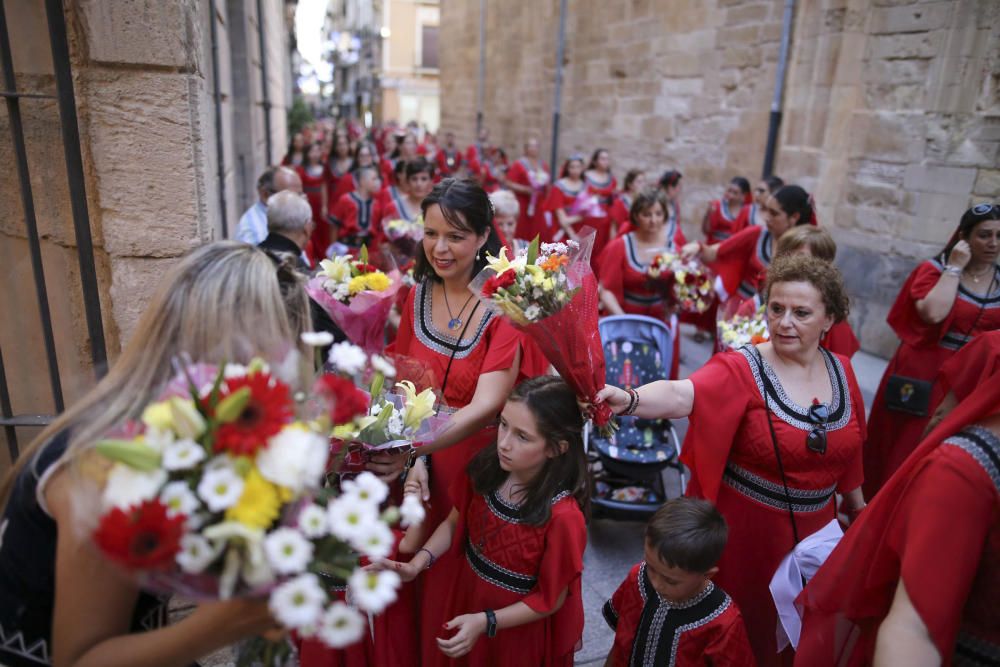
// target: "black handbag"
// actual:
[[908, 395]]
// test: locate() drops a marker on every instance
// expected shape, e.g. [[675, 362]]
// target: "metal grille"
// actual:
[[66, 101]]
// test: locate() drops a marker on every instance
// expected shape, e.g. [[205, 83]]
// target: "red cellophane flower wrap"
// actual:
[[357, 296], [549, 292]]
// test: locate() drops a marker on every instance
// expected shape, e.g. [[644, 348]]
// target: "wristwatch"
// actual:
[[491, 623]]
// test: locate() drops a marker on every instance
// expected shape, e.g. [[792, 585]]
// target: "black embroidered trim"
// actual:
[[632, 257], [983, 446], [764, 248], [401, 205], [364, 214], [566, 191], [973, 652], [990, 301], [496, 574], [642, 300], [767, 492], [610, 615], [954, 340], [436, 340]]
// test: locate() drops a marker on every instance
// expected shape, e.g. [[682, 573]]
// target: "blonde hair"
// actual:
[[817, 239], [222, 302]]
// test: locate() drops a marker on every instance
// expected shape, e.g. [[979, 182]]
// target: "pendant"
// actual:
[[454, 323]]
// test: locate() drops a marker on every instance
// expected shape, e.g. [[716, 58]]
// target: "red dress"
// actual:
[[333, 180], [722, 223], [394, 208], [503, 560], [313, 187], [491, 347], [605, 193], [730, 453], [972, 365], [936, 527], [357, 220], [314, 653], [346, 183], [522, 172], [560, 196], [923, 349], [742, 261], [707, 630], [448, 162], [623, 273]]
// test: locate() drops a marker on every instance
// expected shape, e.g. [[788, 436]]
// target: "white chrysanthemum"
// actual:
[[182, 454], [373, 591], [532, 312], [298, 602], [220, 487], [294, 459], [313, 522], [348, 515], [367, 488], [383, 366], [157, 438], [374, 540], [317, 338], [341, 625], [127, 486], [411, 510], [232, 371], [348, 358], [179, 499], [288, 551], [196, 553]]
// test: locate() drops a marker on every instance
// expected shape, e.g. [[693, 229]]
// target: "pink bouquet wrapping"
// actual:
[[358, 298], [549, 292], [587, 205]]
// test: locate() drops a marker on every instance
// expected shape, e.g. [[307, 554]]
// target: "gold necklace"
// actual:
[[977, 276]]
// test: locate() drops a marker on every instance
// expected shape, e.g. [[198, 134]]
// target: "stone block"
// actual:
[[897, 72], [155, 210], [751, 13], [741, 57], [939, 179], [873, 195], [910, 18], [140, 32], [738, 36], [133, 282], [987, 183], [887, 136], [936, 216], [907, 45]]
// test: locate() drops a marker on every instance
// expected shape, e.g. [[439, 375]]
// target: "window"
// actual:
[[429, 47]]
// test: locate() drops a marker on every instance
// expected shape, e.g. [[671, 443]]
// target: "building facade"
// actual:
[[891, 108], [410, 88], [179, 105]]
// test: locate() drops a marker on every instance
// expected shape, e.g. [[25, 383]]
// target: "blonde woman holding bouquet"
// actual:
[[473, 355], [62, 603]]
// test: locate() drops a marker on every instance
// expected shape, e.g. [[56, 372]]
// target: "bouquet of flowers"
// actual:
[[217, 492], [738, 330], [357, 296], [690, 282], [403, 237], [549, 292], [395, 422]]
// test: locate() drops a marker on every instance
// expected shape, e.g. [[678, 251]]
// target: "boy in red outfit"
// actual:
[[668, 612], [357, 213]]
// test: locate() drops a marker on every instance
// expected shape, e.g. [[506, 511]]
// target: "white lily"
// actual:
[[418, 407]]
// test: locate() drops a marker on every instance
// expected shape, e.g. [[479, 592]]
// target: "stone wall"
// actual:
[[892, 109], [145, 106]]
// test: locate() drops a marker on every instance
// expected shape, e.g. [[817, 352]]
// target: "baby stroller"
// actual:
[[627, 467]]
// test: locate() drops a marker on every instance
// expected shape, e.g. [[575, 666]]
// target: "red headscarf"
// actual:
[[851, 594]]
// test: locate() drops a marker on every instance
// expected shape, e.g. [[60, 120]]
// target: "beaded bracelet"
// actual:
[[633, 402], [432, 558]]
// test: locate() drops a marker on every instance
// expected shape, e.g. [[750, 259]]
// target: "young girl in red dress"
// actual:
[[338, 164], [528, 178], [946, 302], [364, 156], [730, 214], [601, 184], [623, 272], [562, 215], [518, 524], [634, 183], [473, 355], [356, 214], [296, 151], [418, 175], [314, 176]]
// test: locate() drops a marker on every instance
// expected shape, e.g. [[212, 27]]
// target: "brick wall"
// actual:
[[892, 108]]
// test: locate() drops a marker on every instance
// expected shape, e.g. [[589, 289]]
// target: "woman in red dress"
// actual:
[[296, 151], [405, 150], [473, 355], [405, 203], [945, 303], [916, 581], [364, 156], [601, 184], [338, 165], [528, 178], [634, 183], [764, 189], [775, 431], [623, 272], [519, 524], [314, 177], [449, 158], [726, 216]]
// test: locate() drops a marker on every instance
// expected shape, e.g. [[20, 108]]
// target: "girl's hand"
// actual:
[[692, 249], [960, 254], [418, 481], [469, 627], [406, 571], [388, 467], [617, 399], [244, 617]]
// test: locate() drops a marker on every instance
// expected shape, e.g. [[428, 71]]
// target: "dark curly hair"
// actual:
[[824, 276], [558, 418]]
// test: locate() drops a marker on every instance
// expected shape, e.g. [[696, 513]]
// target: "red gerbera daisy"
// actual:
[[346, 400], [267, 411], [492, 284], [142, 537]]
